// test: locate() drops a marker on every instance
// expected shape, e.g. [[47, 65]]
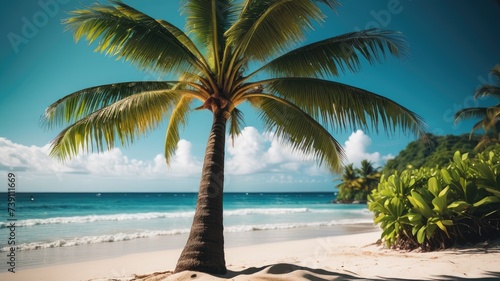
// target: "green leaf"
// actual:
[[485, 173], [459, 206], [444, 192], [388, 231], [495, 192], [332, 56], [457, 157], [447, 222], [123, 121], [486, 201], [434, 186], [133, 36], [396, 207], [421, 234], [379, 218], [439, 204], [235, 124], [465, 156], [446, 176], [441, 201], [207, 21], [418, 202], [429, 230], [460, 162], [79, 104], [178, 119], [345, 107], [414, 217], [387, 192], [415, 229], [442, 227], [265, 28]]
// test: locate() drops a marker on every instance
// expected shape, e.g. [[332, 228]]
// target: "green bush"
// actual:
[[435, 208]]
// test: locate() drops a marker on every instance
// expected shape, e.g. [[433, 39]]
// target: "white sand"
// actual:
[[350, 257]]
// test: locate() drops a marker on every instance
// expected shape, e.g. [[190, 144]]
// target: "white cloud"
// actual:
[[110, 163], [183, 162], [15, 156], [356, 150], [246, 153], [255, 152]]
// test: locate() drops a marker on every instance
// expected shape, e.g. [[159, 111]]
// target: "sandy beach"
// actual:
[[347, 257]]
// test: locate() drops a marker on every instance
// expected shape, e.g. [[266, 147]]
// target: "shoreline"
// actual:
[[343, 257], [31, 259]]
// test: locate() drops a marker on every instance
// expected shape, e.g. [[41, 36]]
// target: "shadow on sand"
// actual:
[[285, 271]]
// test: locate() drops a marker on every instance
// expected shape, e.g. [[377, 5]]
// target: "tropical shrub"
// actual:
[[435, 208]]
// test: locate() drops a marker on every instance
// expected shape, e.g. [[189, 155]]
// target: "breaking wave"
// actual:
[[168, 215], [86, 240]]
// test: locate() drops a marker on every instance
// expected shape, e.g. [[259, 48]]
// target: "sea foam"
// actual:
[[96, 218], [86, 240], [161, 215]]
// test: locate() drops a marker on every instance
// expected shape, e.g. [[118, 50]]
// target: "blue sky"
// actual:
[[454, 44]]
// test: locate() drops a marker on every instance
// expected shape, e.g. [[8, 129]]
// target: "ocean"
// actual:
[[61, 227]]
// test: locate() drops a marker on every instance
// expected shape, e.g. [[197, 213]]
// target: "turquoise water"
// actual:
[[54, 220]]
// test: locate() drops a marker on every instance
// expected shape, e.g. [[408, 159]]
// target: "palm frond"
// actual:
[[492, 118], [123, 121], [493, 112], [471, 112], [333, 4], [236, 122], [266, 27], [482, 124], [495, 71], [208, 20], [338, 54], [81, 103], [184, 39], [346, 107], [298, 129], [178, 118], [488, 90], [484, 142], [133, 36]]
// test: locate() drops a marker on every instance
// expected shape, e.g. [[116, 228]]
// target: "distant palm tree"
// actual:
[[490, 116], [369, 176], [244, 53], [357, 183], [349, 183]]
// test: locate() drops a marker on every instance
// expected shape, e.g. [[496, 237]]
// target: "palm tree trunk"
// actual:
[[204, 250]]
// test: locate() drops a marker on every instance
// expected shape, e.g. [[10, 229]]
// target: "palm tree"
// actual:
[[243, 53], [490, 116], [369, 176], [357, 183], [349, 183]]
